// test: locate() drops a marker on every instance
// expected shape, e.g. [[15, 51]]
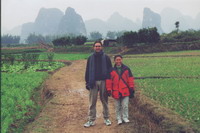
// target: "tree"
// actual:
[[9, 39], [63, 41], [153, 35], [129, 38], [119, 33], [148, 35], [177, 26], [79, 40], [33, 38], [69, 40], [111, 35], [95, 35], [143, 35]]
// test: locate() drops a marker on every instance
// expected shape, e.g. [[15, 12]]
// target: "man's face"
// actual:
[[118, 61], [97, 47]]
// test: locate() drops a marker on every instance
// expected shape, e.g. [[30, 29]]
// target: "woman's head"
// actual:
[[118, 60]]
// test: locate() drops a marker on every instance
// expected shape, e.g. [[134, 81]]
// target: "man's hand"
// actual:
[[109, 92], [87, 86], [132, 92]]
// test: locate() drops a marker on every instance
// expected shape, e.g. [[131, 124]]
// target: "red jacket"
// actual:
[[117, 85]]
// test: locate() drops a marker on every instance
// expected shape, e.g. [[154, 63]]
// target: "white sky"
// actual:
[[17, 12]]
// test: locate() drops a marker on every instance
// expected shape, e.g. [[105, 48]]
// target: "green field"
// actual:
[[162, 66], [176, 53], [16, 92], [60, 56], [21, 82], [179, 85], [177, 89]]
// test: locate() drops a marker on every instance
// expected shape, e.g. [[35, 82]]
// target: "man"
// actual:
[[97, 69]]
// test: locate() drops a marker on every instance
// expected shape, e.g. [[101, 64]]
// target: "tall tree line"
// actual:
[[9, 39]]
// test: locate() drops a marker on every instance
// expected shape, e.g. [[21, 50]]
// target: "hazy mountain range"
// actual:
[[170, 16], [116, 22], [52, 21]]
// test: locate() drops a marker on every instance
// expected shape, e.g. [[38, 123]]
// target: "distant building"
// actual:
[[109, 42]]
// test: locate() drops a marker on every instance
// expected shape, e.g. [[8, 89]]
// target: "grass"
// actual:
[[181, 92], [189, 52], [56, 56], [168, 67]]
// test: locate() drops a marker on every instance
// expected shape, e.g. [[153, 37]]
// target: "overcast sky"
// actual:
[[17, 12]]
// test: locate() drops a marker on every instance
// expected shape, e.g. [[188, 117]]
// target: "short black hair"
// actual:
[[97, 42], [117, 56]]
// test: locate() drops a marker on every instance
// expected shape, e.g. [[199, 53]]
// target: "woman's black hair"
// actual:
[[117, 56]]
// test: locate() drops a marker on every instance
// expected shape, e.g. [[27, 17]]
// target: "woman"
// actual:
[[121, 86]]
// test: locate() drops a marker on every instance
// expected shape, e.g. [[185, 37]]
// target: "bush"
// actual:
[[183, 36], [67, 41], [145, 35]]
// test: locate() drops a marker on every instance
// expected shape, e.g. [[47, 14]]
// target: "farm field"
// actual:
[[20, 82], [60, 56], [166, 54], [16, 92], [172, 82]]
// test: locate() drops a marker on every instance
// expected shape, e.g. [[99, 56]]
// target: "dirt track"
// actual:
[[66, 111]]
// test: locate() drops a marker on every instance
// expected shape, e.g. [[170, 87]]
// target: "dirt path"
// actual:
[[67, 111]]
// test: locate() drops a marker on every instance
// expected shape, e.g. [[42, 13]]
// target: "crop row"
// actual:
[[16, 92]]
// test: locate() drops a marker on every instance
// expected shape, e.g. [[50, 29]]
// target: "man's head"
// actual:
[[118, 60], [97, 46]]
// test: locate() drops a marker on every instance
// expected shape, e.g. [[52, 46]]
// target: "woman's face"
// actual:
[[118, 61]]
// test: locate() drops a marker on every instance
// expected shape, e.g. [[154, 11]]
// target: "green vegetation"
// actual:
[[33, 38], [17, 108], [69, 40], [28, 67], [89, 43], [86, 49], [180, 95], [95, 35], [178, 88], [182, 36], [145, 35], [60, 56], [20, 51], [21, 81], [8, 39], [179, 91], [176, 53], [167, 67], [19, 89]]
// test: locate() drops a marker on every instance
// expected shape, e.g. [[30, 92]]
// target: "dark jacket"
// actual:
[[115, 83], [101, 63]]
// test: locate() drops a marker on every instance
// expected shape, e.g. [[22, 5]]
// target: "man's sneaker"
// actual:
[[126, 120], [107, 122], [89, 123], [119, 122]]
